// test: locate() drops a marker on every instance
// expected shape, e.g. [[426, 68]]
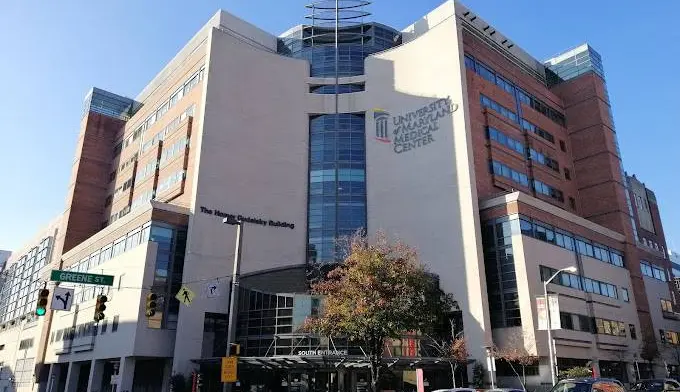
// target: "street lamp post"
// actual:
[[231, 330], [551, 352], [491, 365]]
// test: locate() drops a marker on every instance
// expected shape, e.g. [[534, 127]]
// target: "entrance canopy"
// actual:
[[292, 362]]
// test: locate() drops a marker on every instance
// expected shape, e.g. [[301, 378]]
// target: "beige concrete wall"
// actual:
[[132, 271], [252, 160], [10, 353], [426, 196], [657, 290], [530, 253]]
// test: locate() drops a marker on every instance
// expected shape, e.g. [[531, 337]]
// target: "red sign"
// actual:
[[411, 348]]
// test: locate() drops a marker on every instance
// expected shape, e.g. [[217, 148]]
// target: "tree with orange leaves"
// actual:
[[380, 291]]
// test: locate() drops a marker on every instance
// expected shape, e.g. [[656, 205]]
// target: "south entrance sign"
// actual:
[[79, 277]]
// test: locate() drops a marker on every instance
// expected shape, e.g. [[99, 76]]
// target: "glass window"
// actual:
[[624, 294], [526, 227], [657, 273], [486, 73], [575, 281], [611, 289], [588, 285], [469, 62]]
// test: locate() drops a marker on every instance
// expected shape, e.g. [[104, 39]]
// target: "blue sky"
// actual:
[[53, 52]]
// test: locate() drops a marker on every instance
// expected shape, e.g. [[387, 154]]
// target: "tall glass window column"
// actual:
[[337, 182]]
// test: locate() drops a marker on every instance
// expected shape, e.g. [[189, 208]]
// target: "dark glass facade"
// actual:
[[109, 104], [317, 45], [167, 272], [337, 182], [501, 281], [337, 163]]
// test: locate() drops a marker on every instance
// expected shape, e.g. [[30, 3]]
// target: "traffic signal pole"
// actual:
[[231, 330]]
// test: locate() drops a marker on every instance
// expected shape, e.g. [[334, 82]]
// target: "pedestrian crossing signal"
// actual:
[[100, 307], [151, 304], [41, 307]]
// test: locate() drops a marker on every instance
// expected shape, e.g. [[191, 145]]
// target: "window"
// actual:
[[572, 203], [567, 174], [489, 74], [652, 271], [624, 294], [563, 146], [547, 190], [543, 159], [341, 89], [585, 323], [579, 283], [529, 127], [501, 169], [566, 321], [564, 239], [633, 332], [486, 73], [609, 327], [25, 344], [502, 110], [666, 306], [168, 182], [500, 137]]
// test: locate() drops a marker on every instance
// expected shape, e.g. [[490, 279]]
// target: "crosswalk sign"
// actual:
[[185, 295]]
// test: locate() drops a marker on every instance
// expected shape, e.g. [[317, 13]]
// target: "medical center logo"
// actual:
[[413, 129]]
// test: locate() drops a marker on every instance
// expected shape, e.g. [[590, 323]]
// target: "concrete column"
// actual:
[[52, 381], [126, 374], [167, 373], [341, 380], [94, 382], [72, 377]]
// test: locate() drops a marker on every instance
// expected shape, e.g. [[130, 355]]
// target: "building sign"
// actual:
[[414, 129], [255, 221], [542, 310], [312, 353]]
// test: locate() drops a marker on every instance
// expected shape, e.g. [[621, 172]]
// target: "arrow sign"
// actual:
[[62, 299], [212, 289]]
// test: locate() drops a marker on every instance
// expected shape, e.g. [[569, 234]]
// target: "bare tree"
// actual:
[[649, 349], [452, 350], [516, 354], [669, 350]]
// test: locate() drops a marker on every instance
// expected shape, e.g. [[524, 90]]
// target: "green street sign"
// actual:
[[79, 277]]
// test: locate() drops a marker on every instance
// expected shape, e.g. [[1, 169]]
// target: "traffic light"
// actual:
[[199, 381], [151, 304], [234, 350], [100, 307], [41, 307]]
